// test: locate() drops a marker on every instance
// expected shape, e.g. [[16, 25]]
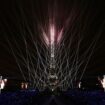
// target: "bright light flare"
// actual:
[[59, 36], [52, 34], [2, 83], [102, 81], [46, 39]]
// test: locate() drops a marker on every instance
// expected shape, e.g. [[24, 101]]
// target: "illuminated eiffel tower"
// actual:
[[53, 78]]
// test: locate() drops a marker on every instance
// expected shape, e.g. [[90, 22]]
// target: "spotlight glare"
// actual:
[[52, 34]]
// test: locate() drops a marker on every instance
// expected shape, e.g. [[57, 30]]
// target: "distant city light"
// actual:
[[24, 85], [5, 80], [79, 85], [2, 83], [102, 82]]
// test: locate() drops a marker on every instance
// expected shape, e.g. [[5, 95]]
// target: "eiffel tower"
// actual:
[[52, 77]]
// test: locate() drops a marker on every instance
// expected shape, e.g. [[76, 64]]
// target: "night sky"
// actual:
[[87, 17]]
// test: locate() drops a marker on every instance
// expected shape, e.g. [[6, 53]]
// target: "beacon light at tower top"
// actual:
[[52, 34]]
